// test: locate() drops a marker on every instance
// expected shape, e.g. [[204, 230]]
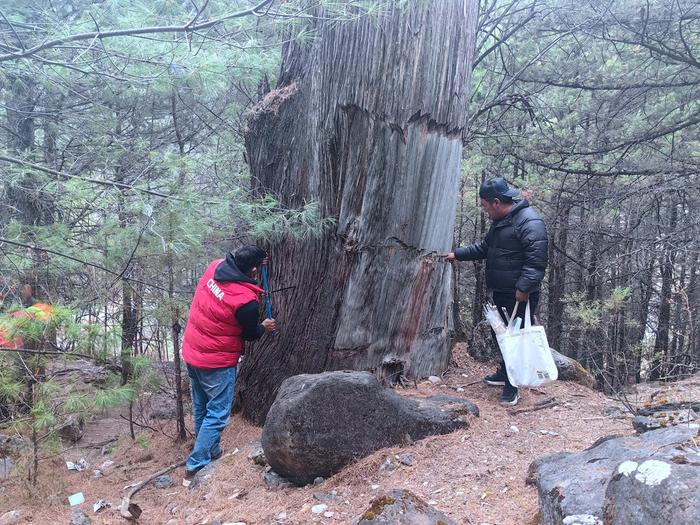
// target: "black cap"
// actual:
[[497, 188], [248, 256]]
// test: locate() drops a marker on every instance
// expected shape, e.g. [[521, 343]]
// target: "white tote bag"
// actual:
[[526, 353]]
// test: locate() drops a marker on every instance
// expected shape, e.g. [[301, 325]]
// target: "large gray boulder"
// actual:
[[572, 486], [319, 423], [401, 507]]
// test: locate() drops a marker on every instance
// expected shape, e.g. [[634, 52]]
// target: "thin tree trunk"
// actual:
[[478, 350], [661, 343], [176, 328], [480, 284], [460, 332], [367, 120], [694, 303], [128, 335], [557, 281], [595, 343], [677, 363], [174, 308], [577, 347]]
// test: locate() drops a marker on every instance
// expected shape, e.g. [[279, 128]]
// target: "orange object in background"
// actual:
[[6, 342], [40, 311]]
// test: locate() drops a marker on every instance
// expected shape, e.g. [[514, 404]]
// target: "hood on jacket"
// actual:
[[507, 219], [519, 205], [227, 271]]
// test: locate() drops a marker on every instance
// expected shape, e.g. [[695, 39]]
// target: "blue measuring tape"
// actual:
[[267, 292]]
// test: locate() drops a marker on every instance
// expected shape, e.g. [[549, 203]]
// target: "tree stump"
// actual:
[[366, 120]]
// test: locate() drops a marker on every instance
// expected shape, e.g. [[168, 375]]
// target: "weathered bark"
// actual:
[[367, 120]]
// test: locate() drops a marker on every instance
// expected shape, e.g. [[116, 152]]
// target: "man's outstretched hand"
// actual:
[[449, 257], [521, 297], [270, 325]]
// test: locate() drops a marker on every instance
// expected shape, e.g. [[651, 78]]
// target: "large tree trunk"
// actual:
[[367, 120]]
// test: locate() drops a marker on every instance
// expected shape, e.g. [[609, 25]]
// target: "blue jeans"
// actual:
[[212, 397]]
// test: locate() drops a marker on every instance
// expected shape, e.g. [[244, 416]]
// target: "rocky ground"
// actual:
[[475, 476]]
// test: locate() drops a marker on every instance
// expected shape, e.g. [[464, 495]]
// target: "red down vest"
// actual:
[[213, 335]]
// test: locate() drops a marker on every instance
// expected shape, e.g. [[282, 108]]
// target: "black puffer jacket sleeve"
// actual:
[[475, 251], [533, 236], [247, 317]]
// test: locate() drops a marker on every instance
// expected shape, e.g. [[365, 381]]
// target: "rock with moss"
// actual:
[[401, 507], [572, 486], [571, 370], [668, 415], [651, 491]]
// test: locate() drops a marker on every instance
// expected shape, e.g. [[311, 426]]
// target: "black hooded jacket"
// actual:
[[515, 249], [246, 315]]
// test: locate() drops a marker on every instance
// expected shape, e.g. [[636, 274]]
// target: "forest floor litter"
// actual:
[[476, 475]]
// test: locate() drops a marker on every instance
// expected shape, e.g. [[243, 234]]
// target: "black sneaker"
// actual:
[[217, 456], [497, 379], [509, 396]]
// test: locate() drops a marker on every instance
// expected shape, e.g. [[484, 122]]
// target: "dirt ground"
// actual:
[[475, 476]]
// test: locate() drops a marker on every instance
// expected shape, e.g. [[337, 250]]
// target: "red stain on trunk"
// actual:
[[417, 301]]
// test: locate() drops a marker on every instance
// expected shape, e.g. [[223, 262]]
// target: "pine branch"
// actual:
[[112, 272], [186, 28], [109, 183]]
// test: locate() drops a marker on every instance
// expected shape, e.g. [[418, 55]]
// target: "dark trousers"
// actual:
[[507, 301]]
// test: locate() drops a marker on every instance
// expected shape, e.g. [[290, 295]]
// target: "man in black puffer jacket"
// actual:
[[515, 249]]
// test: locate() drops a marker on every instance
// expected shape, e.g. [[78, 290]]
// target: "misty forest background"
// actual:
[[123, 172]]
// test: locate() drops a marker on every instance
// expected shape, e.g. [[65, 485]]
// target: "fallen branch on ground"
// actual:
[[669, 407], [95, 445], [547, 403], [132, 511]]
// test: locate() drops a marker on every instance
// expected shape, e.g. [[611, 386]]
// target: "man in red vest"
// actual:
[[224, 314]]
